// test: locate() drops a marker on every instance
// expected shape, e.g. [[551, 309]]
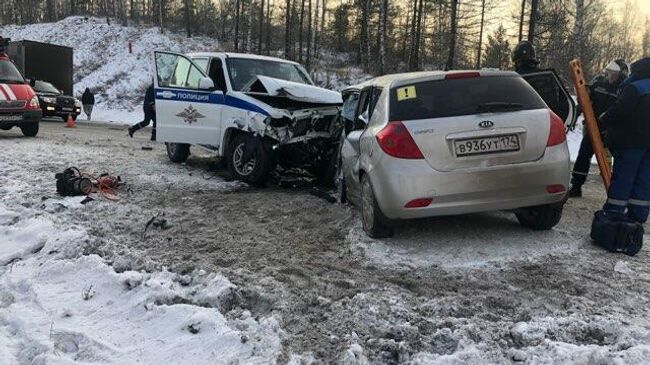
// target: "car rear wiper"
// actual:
[[498, 106]]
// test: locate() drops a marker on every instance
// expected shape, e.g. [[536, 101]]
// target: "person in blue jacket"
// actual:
[[627, 123]]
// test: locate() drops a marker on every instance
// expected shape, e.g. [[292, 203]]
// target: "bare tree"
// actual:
[[521, 20], [452, 35], [480, 36], [534, 6]]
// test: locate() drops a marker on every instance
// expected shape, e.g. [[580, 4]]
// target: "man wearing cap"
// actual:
[[627, 124], [603, 92], [523, 57]]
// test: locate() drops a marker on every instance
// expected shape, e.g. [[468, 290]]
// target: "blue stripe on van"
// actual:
[[208, 98]]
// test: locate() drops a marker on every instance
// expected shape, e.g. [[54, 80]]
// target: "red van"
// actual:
[[19, 105]]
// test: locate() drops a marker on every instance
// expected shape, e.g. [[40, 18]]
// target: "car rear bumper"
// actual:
[[397, 182], [20, 118]]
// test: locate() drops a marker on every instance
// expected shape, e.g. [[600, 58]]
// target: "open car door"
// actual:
[[549, 86], [188, 106]]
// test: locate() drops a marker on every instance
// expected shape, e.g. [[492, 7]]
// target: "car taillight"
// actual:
[[33, 103], [396, 141], [461, 75], [557, 134]]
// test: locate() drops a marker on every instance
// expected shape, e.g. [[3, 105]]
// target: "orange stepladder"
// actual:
[[590, 121]]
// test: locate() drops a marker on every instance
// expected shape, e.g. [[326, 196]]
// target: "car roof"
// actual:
[[239, 55], [393, 80]]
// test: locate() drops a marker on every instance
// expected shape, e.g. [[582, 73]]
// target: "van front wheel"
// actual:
[[249, 160]]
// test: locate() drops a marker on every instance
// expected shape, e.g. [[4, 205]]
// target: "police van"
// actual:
[[256, 112]]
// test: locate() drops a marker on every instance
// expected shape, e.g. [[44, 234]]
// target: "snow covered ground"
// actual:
[[257, 276], [61, 305]]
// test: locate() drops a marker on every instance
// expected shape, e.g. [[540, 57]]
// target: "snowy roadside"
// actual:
[[59, 304]]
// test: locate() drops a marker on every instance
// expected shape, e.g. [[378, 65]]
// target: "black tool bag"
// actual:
[[71, 182], [617, 233]]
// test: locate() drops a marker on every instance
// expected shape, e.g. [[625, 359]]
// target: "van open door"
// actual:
[[188, 106], [549, 86]]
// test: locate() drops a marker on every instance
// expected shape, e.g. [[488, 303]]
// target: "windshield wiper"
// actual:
[[498, 106], [10, 81]]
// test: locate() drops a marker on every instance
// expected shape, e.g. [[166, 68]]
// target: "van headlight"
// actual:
[[49, 100], [77, 103]]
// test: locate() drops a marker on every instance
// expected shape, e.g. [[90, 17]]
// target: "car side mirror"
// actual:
[[206, 83]]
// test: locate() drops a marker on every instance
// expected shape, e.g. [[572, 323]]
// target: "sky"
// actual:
[[505, 11]]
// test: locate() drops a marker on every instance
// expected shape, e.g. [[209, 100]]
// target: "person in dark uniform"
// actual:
[[627, 124], [149, 109], [603, 92], [88, 102], [523, 56]]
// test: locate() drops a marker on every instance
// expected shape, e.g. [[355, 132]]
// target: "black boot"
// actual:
[[153, 134], [575, 191], [132, 130]]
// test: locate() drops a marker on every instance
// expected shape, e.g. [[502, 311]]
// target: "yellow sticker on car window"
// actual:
[[405, 93]]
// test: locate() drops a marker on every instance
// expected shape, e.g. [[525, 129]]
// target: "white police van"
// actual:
[[254, 111]]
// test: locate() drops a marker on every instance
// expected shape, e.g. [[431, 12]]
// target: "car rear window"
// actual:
[[465, 96]]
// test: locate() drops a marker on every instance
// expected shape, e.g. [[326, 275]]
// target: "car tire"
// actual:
[[375, 224], [540, 218], [30, 130], [339, 181], [258, 168], [178, 152]]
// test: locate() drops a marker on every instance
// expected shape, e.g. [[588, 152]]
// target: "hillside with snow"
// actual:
[[102, 61]]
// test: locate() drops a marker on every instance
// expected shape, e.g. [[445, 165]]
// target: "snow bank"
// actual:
[[60, 306], [103, 63]]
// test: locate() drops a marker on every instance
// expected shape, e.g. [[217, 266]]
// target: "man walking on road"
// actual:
[[603, 92], [88, 102], [627, 124], [149, 109]]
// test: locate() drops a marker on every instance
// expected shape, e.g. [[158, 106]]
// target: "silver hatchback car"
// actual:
[[444, 143]]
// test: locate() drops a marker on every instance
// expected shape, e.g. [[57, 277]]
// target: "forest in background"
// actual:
[[381, 36]]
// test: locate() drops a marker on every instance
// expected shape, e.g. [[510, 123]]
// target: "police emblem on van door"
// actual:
[[190, 115], [486, 124]]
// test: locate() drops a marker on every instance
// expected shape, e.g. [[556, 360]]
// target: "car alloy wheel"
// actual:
[[241, 168]]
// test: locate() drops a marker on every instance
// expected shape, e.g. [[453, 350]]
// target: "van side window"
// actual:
[[216, 74]]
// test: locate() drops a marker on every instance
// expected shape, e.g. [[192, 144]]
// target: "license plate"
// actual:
[[486, 145], [10, 118], [66, 109]]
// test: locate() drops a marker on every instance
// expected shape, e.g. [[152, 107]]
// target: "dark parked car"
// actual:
[[54, 103]]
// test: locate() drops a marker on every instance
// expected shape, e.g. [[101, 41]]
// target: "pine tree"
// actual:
[[497, 50]]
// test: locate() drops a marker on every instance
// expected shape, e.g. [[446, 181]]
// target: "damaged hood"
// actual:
[[295, 91]]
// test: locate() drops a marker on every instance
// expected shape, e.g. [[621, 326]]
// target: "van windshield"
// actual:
[[456, 97], [244, 71], [9, 74]]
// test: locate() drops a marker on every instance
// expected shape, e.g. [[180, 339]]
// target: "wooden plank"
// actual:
[[590, 121]]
